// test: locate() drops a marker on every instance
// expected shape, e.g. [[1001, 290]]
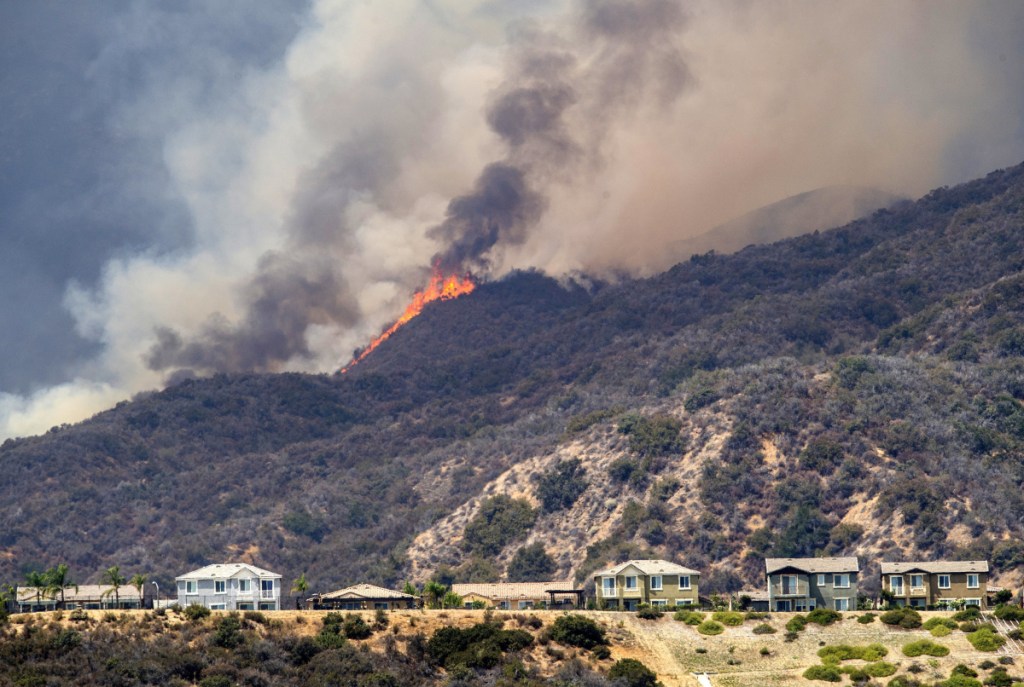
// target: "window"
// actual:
[[783, 606], [217, 607], [943, 581], [245, 586], [684, 602], [789, 584], [972, 580], [821, 580], [972, 602], [267, 589], [684, 582], [268, 606], [656, 582], [917, 581], [383, 605], [245, 606], [220, 586], [841, 581], [896, 584], [523, 605], [190, 586], [659, 603], [607, 586], [631, 582], [842, 604]]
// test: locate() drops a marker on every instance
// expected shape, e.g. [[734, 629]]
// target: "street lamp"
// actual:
[[157, 593]]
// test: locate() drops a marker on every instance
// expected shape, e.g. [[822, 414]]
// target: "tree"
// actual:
[[501, 520], [299, 586], [138, 580], [36, 580], [531, 564], [562, 486], [57, 580], [433, 593], [115, 579], [451, 600], [410, 589]]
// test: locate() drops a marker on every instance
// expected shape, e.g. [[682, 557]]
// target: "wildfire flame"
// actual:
[[440, 288]]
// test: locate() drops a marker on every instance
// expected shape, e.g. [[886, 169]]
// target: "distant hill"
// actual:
[[855, 391], [816, 210]]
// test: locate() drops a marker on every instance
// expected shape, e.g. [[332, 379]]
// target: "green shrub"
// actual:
[[1015, 634], [880, 669], [710, 627], [601, 652], [658, 435], [941, 631], [866, 618], [823, 673], [195, 612], [479, 646], [1009, 613], [255, 617], [961, 669], [903, 617], [999, 678], [354, 627], [764, 629], [831, 655], [823, 616], [985, 639], [972, 613], [689, 617], [932, 623], [501, 521], [577, 630], [560, 487], [960, 681], [229, 632], [797, 623], [730, 618], [632, 673], [649, 612], [924, 647], [903, 681]]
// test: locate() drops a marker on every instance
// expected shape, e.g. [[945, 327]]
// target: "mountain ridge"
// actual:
[[853, 390]]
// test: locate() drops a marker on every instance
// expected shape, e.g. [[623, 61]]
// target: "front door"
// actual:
[[783, 605]]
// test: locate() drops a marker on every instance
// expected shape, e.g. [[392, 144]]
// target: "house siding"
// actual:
[[932, 595], [670, 593], [807, 589]]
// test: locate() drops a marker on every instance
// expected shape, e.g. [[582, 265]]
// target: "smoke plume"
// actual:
[[300, 183]]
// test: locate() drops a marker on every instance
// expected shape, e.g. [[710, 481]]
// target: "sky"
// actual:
[[194, 187]]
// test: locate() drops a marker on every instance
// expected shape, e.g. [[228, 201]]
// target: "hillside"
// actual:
[[857, 390]]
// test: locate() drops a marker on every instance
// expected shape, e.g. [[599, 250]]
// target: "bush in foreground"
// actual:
[[730, 618], [710, 627], [985, 639], [906, 618], [689, 617], [832, 655], [823, 673], [924, 647], [632, 673], [764, 629], [823, 616], [578, 630]]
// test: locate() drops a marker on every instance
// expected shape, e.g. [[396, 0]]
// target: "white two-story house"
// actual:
[[230, 587]]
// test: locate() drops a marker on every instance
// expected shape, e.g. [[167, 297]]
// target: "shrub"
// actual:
[[797, 623], [559, 488], [903, 617], [961, 669], [941, 631], [924, 647], [577, 630], [1009, 613], [479, 646], [531, 563], [1015, 634], [689, 617], [632, 673], [765, 651], [880, 669], [229, 632], [823, 616], [757, 615], [730, 618], [866, 618], [903, 681], [972, 613], [649, 612], [501, 521], [932, 623], [255, 617], [195, 612], [999, 678], [791, 636], [654, 436], [764, 629], [823, 673], [602, 652], [354, 627], [832, 655], [985, 639], [710, 627]]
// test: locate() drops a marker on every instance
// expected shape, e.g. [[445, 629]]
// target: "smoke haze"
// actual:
[[216, 189]]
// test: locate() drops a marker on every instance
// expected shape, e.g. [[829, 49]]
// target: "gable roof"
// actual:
[[223, 571], [513, 590], [841, 564], [367, 591], [932, 567], [649, 567]]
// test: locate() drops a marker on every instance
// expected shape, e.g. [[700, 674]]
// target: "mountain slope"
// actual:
[[853, 391]]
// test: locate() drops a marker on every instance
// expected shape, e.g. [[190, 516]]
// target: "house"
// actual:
[[85, 596], [803, 584], [758, 599], [520, 595], [655, 582], [230, 587], [925, 584], [364, 597]]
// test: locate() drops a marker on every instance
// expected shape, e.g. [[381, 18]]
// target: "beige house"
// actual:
[[520, 595], [923, 584], [364, 597], [654, 582], [85, 596]]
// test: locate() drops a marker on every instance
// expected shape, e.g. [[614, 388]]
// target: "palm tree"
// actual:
[[57, 580], [300, 586], [115, 579], [37, 580], [138, 581], [434, 592]]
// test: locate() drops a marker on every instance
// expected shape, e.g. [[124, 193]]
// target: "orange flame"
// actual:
[[440, 288]]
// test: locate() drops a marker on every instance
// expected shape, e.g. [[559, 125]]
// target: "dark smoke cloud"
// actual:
[[283, 301]]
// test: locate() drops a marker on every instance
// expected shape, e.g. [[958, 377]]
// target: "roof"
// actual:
[[84, 592], [223, 571], [649, 567], [823, 564], [513, 590], [934, 567], [754, 594], [366, 591]]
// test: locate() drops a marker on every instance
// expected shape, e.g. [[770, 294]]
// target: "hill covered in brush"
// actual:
[[854, 391]]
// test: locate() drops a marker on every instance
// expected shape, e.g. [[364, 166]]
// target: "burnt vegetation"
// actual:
[[881, 359]]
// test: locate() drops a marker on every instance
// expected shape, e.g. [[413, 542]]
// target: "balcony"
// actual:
[[267, 594], [786, 590]]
